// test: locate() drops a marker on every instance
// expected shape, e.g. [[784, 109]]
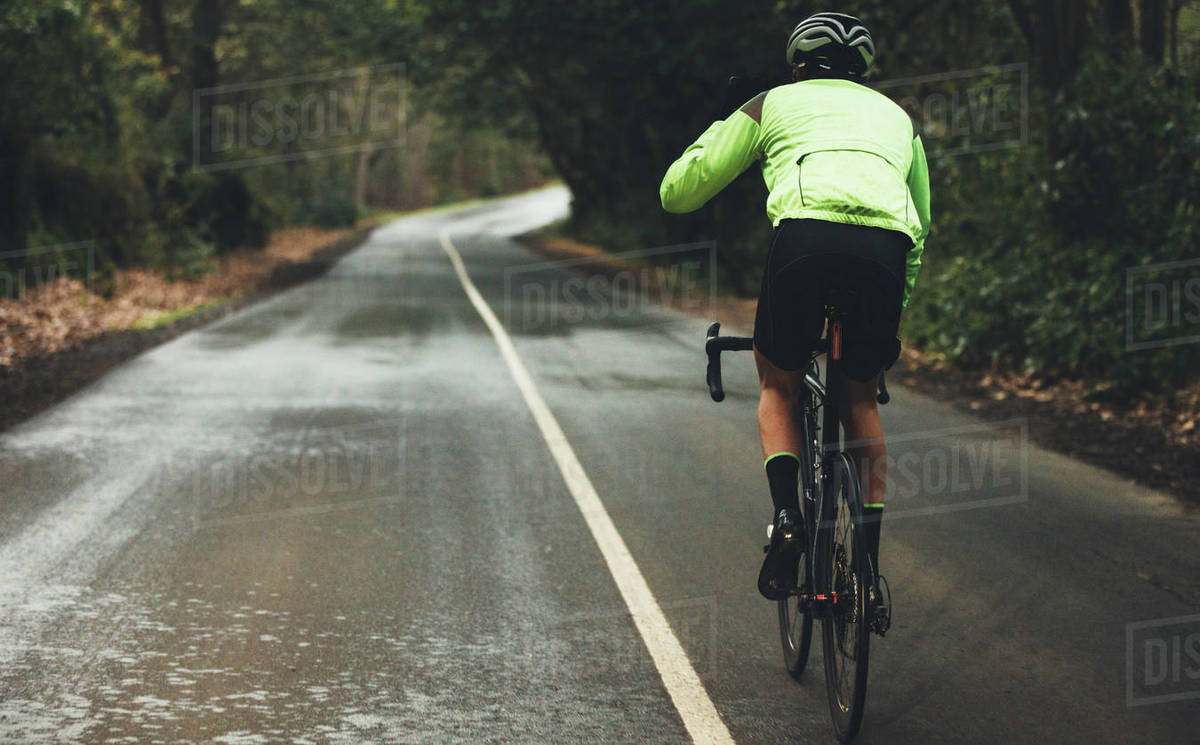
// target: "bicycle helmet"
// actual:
[[832, 44]]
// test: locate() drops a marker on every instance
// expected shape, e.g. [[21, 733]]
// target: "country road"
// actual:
[[362, 512]]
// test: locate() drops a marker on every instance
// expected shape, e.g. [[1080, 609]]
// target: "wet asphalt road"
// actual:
[[331, 518]]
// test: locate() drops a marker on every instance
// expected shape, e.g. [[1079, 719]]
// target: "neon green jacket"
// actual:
[[830, 150]]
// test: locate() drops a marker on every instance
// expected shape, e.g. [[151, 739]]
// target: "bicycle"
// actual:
[[835, 574]]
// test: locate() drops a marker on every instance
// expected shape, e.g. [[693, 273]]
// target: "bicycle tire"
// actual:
[[845, 633], [795, 634]]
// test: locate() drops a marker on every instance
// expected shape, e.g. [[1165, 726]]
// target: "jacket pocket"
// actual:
[[853, 182]]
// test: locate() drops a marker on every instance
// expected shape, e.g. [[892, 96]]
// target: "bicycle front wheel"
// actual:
[[842, 564], [795, 632]]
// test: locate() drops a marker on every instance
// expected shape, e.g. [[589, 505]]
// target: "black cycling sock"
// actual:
[[872, 521], [783, 475]]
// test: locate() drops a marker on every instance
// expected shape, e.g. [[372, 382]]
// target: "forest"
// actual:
[[1064, 139]]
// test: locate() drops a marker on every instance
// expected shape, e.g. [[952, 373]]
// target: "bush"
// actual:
[[233, 216], [190, 255], [1028, 261], [337, 211]]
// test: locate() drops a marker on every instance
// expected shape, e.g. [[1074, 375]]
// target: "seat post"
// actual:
[[830, 426]]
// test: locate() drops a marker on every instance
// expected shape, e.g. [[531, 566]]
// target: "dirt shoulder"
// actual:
[[1153, 442], [61, 336]]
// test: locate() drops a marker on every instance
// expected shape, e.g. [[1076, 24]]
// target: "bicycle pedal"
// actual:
[[881, 610], [880, 626]]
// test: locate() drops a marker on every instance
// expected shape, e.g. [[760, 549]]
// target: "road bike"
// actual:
[[834, 574]]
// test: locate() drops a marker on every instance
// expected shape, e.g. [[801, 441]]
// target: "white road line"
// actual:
[[683, 685]]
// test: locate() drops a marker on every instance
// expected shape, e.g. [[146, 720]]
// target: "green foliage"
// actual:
[[1031, 251], [187, 254], [1029, 263], [338, 211], [166, 318], [233, 216], [97, 115]]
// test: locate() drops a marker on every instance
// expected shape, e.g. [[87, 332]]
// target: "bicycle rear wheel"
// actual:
[[842, 563]]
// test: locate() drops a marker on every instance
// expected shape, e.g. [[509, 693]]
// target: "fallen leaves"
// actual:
[[64, 312]]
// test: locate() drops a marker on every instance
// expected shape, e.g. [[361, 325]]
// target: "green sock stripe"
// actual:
[[873, 505], [778, 455]]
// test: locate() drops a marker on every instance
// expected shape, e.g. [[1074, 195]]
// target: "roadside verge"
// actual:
[[42, 367]]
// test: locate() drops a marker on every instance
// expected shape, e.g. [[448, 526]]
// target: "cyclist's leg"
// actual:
[[786, 325], [864, 437], [779, 390], [782, 449], [870, 345]]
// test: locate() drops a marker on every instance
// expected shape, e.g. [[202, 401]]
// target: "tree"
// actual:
[[1153, 29], [1056, 31], [1118, 16]]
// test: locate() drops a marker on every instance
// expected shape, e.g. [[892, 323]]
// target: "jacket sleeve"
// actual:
[[710, 163], [918, 186]]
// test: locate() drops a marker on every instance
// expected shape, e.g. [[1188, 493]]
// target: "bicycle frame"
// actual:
[[820, 600]]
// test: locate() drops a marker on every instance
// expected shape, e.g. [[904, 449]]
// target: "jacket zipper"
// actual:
[[800, 177]]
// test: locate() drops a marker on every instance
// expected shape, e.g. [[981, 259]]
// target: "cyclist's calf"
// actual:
[[779, 390], [864, 437]]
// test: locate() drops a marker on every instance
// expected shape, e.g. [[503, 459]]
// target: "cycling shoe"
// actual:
[[780, 568]]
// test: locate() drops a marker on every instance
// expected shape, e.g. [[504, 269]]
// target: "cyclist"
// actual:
[[849, 198]]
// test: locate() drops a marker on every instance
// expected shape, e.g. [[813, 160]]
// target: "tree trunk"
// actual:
[[362, 175], [1118, 17], [152, 32], [207, 19], [1154, 29], [1173, 33], [1055, 32], [14, 207], [206, 30]]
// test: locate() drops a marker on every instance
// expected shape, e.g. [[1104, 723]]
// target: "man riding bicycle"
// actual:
[[849, 199]]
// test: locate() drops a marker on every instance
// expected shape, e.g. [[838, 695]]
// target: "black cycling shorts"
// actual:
[[809, 258]]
